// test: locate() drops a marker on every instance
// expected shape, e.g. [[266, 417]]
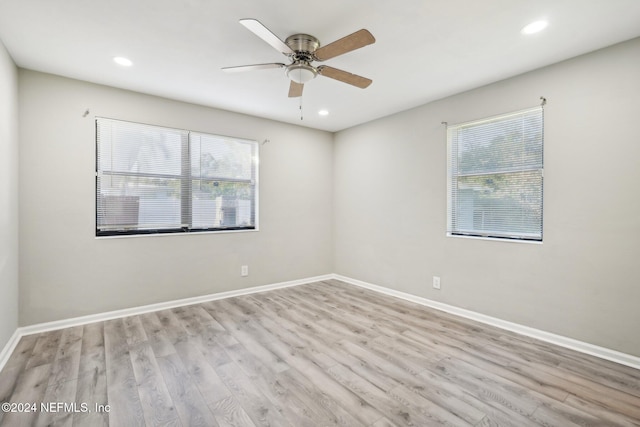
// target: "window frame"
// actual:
[[453, 175], [186, 179]]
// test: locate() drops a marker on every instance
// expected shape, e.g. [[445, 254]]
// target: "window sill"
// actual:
[[127, 236], [496, 239]]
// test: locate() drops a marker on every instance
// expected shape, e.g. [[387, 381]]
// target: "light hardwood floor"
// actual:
[[321, 354]]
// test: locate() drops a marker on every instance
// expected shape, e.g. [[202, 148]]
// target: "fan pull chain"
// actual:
[[301, 113]]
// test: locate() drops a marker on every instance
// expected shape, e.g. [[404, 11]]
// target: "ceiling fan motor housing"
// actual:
[[303, 44]]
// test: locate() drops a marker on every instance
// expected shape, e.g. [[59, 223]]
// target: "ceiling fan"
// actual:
[[302, 50]]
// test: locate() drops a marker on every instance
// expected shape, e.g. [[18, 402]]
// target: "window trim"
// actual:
[[450, 182], [185, 177]]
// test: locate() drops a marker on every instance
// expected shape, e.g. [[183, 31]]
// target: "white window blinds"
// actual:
[[495, 169], [151, 179]]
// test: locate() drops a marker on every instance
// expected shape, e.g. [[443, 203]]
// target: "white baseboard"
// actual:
[[133, 311], [6, 352], [583, 347]]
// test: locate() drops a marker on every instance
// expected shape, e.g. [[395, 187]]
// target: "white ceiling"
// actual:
[[424, 50]]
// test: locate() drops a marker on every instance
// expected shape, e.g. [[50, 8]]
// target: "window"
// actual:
[[495, 170], [151, 179]]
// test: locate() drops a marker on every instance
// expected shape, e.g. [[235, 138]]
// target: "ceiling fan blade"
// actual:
[[343, 76], [295, 89], [243, 68], [346, 44], [265, 34]]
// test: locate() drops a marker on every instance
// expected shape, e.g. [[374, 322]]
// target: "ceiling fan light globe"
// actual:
[[301, 73]]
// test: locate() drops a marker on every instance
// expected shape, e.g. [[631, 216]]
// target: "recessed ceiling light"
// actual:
[[323, 112], [534, 27], [121, 60]]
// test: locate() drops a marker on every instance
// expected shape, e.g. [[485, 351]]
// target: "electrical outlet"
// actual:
[[244, 270], [436, 282]]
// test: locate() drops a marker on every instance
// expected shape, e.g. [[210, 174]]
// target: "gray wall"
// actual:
[[66, 272], [584, 280], [8, 197], [368, 203]]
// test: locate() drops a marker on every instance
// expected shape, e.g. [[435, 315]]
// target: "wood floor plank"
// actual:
[[431, 411], [601, 412], [261, 410], [193, 318], [45, 349], [70, 342], [490, 387], [321, 354], [133, 329], [62, 385], [236, 325], [383, 422], [210, 342], [124, 400], [157, 337], [156, 401], [229, 413], [92, 351], [417, 379], [294, 409], [322, 406], [115, 343], [308, 338], [461, 400], [65, 369], [552, 414], [590, 390], [22, 352], [8, 381], [348, 325], [122, 391], [92, 391], [548, 388], [59, 392], [172, 326], [30, 390], [596, 389], [393, 404], [353, 403], [189, 403], [300, 408], [201, 372], [15, 367]]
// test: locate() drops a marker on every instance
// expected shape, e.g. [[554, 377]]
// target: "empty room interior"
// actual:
[[278, 213]]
